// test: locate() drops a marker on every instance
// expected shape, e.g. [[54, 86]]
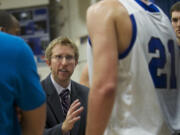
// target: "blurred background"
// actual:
[[43, 20]]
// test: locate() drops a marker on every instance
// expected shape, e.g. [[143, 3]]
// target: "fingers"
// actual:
[[74, 106], [73, 115], [77, 112]]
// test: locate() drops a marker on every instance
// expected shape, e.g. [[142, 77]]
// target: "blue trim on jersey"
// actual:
[[134, 28], [89, 41], [150, 8]]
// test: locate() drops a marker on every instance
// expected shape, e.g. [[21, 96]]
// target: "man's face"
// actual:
[[14, 31], [176, 22], [62, 64]]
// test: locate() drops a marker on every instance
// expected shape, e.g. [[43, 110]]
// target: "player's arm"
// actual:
[[33, 121], [102, 94]]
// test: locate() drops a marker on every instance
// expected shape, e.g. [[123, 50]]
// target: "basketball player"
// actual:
[[175, 19], [134, 52]]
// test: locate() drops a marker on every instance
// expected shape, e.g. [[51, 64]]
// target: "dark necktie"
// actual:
[[65, 101]]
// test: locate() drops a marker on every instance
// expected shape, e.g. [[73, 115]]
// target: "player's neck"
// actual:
[[178, 39], [145, 1]]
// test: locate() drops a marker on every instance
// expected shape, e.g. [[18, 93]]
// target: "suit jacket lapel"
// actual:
[[74, 96], [53, 100]]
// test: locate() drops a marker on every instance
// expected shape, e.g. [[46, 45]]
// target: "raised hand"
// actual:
[[73, 115]]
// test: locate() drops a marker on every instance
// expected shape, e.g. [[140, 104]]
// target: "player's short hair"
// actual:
[[175, 7], [6, 20]]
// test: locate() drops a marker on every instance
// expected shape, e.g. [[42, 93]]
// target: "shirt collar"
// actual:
[[58, 87]]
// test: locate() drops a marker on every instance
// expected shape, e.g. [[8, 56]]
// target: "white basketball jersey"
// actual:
[[146, 67]]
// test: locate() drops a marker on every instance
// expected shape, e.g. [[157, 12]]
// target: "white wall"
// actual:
[[12, 4], [73, 15]]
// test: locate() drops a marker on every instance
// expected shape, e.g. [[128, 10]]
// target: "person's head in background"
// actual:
[[8, 23], [175, 19], [62, 57]]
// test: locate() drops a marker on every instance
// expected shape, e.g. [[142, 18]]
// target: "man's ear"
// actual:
[[48, 62], [76, 62], [2, 29]]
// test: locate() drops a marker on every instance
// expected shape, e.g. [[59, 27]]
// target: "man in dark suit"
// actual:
[[66, 99]]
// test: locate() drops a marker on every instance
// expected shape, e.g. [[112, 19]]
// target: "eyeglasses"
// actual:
[[69, 58]]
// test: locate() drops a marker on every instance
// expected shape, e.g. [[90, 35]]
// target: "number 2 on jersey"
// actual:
[[158, 63]]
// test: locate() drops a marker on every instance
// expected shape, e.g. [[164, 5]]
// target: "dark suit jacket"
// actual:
[[55, 118]]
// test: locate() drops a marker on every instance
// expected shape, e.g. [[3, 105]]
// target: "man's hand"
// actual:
[[73, 115], [19, 114]]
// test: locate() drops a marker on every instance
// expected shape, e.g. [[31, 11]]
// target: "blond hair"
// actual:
[[62, 41]]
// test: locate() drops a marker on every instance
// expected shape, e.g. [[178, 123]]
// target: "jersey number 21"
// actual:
[[158, 63]]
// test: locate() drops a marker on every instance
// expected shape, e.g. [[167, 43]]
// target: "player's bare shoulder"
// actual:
[[105, 10]]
